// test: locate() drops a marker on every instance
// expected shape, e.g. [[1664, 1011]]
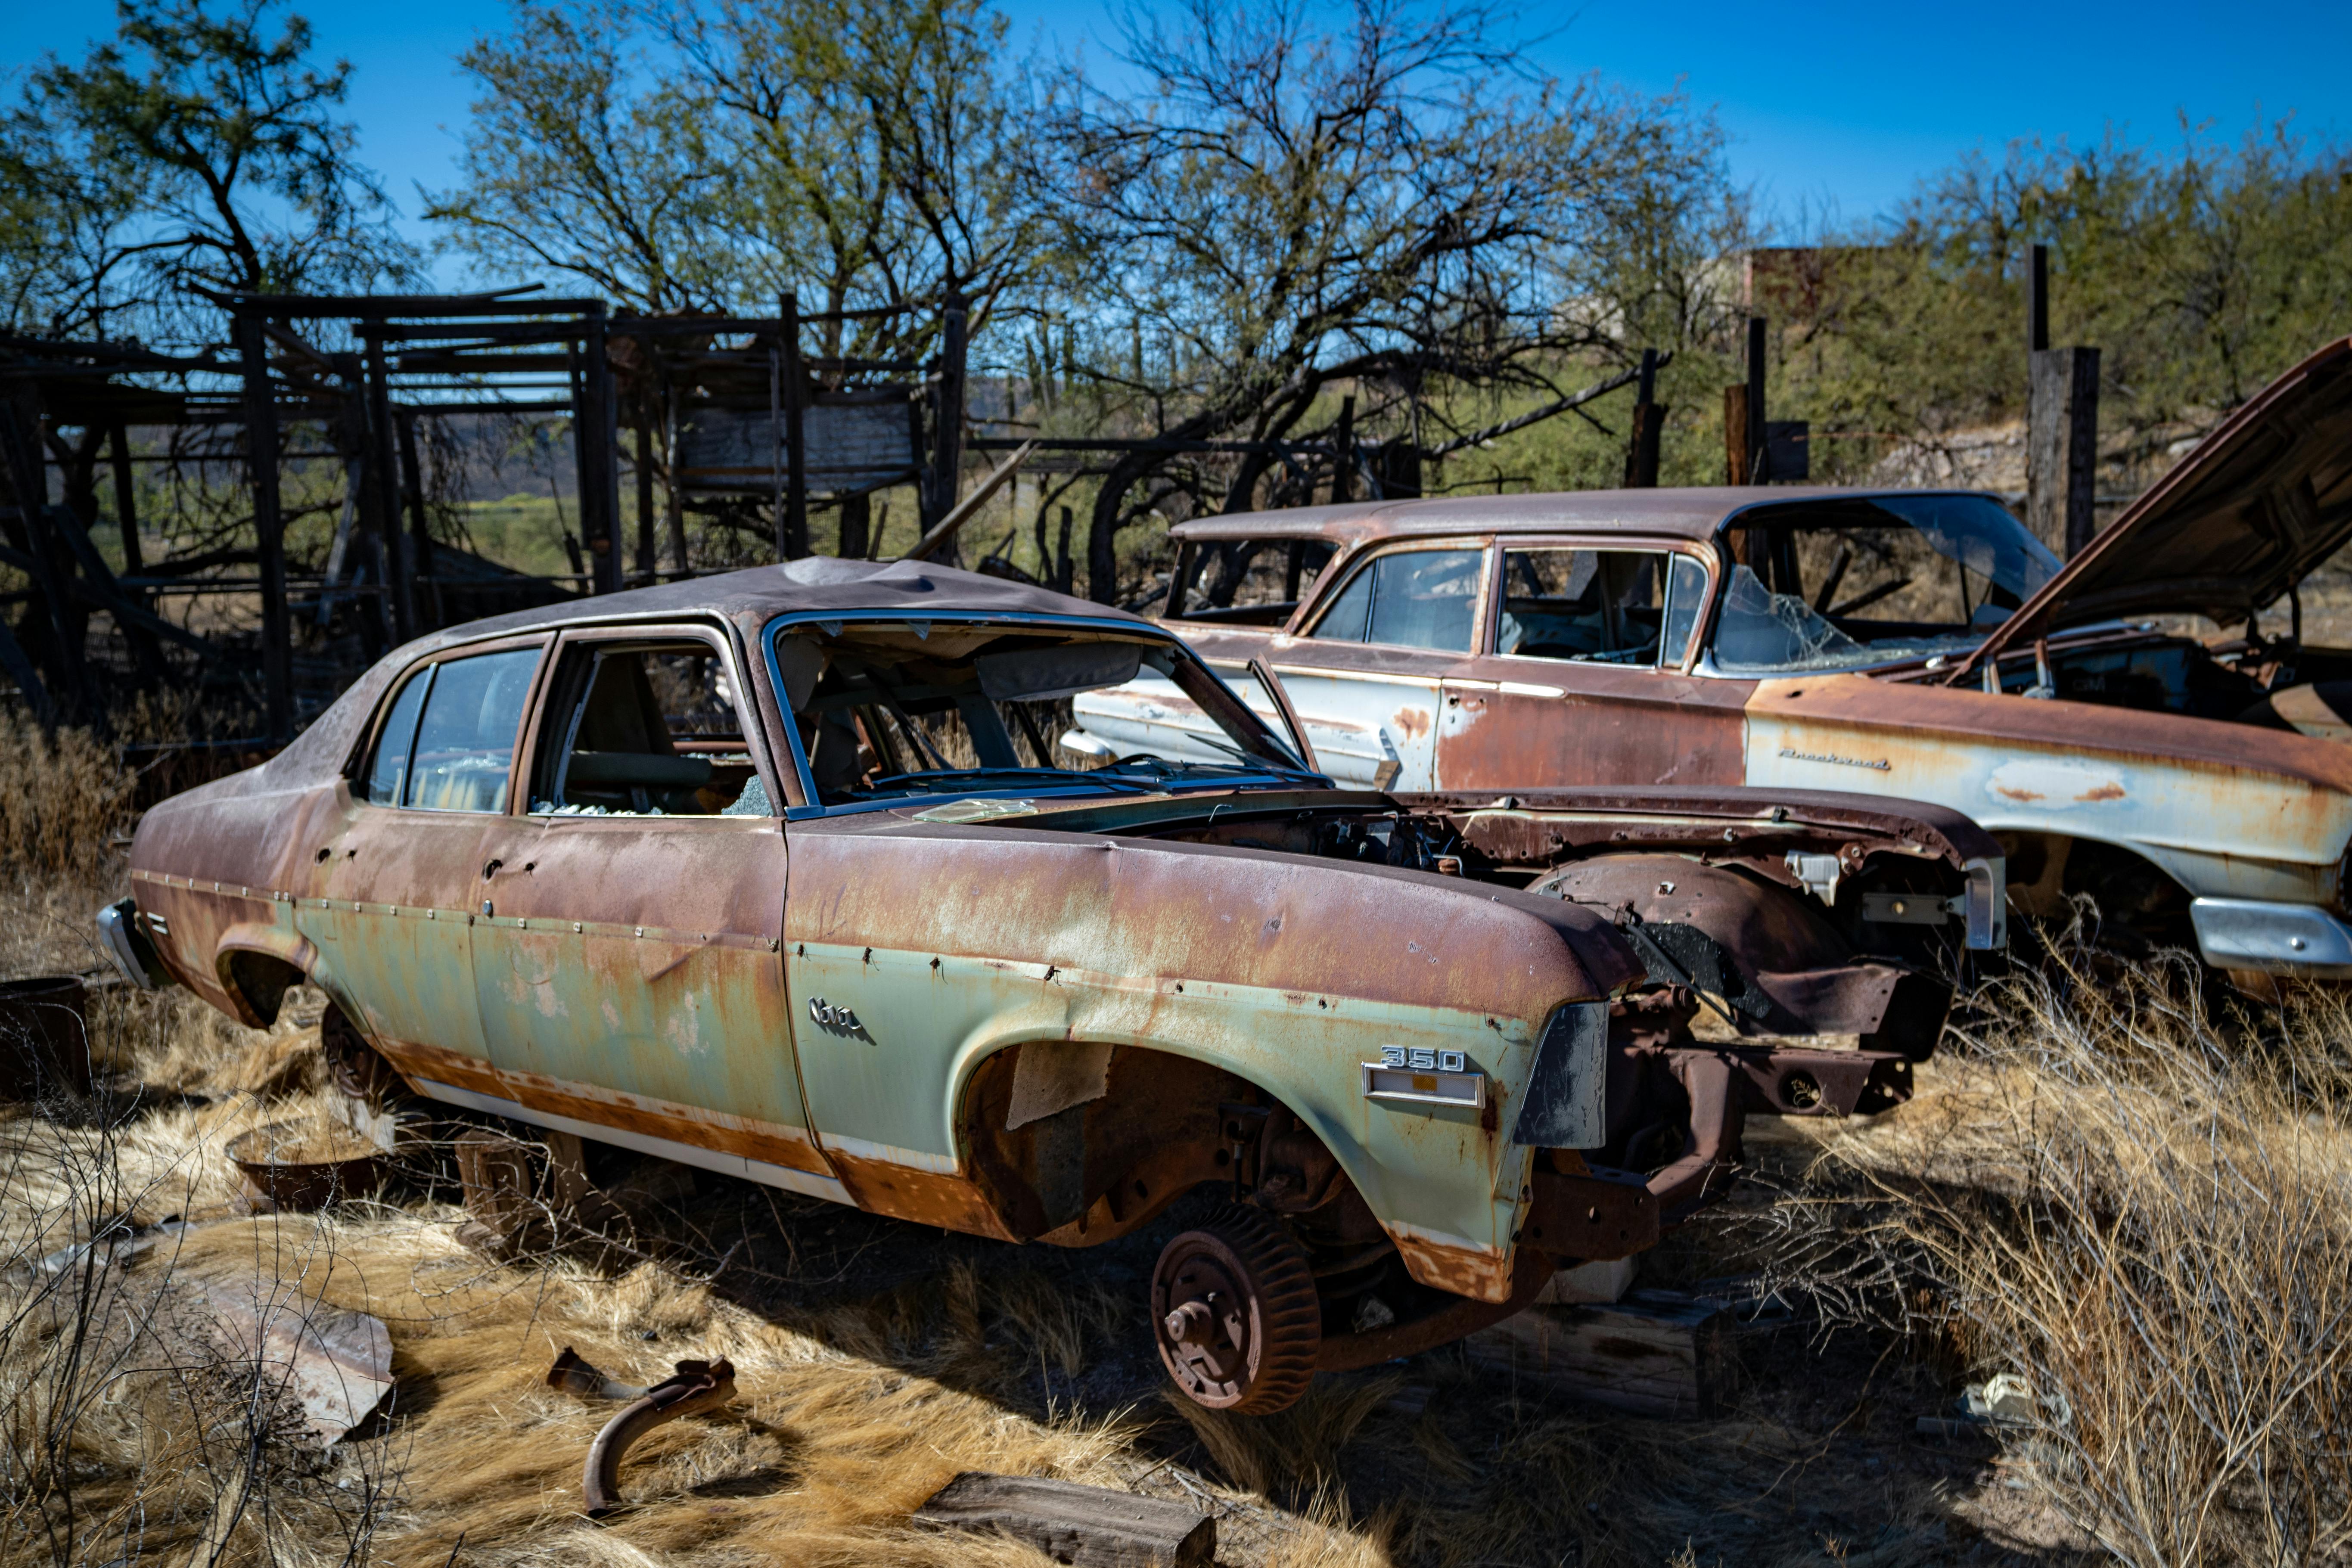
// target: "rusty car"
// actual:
[[2146, 724], [784, 874]]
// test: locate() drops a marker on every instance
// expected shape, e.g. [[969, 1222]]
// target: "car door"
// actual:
[[628, 944], [394, 877], [1366, 675], [1580, 679]]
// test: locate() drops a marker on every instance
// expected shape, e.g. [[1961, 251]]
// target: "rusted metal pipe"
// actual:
[[697, 1386], [576, 1373]]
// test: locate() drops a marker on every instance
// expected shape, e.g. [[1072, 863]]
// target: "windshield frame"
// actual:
[[1705, 663], [1022, 783]]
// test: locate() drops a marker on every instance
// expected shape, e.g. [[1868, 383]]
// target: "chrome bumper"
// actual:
[[2276, 938]]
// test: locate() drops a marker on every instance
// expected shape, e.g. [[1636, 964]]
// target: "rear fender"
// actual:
[[255, 964]]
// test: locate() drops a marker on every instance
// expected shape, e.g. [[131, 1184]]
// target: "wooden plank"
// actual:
[[1661, 1358], [1071, 1523]]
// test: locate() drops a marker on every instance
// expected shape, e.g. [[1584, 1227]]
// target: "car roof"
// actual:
[[816, 583], [1692, 512]]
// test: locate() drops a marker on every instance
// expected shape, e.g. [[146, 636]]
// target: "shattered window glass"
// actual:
[[1764, 630], [1853, 581]]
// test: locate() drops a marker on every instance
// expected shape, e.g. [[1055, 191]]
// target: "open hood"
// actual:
[[2237, 522]]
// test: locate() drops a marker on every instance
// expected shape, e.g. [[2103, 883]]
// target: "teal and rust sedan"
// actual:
[[789, 874]]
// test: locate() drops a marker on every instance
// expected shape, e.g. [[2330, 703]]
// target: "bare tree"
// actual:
[[1377, 204], [193, 152]]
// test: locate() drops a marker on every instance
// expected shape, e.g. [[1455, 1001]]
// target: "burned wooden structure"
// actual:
[[723, 415]]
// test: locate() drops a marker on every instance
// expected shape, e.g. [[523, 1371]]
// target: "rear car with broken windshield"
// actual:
[[793, 875], [2159, 724]]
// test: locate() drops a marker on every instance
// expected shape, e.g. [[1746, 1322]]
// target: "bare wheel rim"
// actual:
[[1234, 1313]]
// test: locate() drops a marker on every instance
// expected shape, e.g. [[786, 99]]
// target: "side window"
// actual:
[[1597, 606], [1251, 582], [465, 740], [387, 769], [645, 732], [1685, 598], [1350, 612], [1413, 598]]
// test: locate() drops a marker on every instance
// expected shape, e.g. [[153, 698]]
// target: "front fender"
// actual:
[[1288, 972]]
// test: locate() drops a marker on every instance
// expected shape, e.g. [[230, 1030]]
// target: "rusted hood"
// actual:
[[1153, 909], [2242, 519]]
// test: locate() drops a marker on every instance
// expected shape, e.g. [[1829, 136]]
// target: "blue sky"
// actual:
[[1836, 107]]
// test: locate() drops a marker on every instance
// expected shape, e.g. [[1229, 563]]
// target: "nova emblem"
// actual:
[[840, 1020]]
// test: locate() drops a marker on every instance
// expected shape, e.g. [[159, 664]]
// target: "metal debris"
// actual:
[[697, 1386]]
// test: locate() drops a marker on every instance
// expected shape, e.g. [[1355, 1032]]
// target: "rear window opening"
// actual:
[[1245, 582]]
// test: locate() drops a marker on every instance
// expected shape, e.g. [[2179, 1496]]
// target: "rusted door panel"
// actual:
[[1524, 724], [629, 972], [1366, 707], [388, 915]]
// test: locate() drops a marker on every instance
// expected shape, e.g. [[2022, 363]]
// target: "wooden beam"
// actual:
[[1663, 1359], [2061, 448], [969, 508], [1070, 1523]]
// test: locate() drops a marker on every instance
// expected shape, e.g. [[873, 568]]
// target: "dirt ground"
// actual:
[[878, 1359]]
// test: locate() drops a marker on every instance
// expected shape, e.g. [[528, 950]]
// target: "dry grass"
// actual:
[[2144, 1209]]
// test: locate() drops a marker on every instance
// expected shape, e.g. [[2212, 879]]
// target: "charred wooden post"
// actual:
[[1649, 423], [268, 526], [796, 542], [1343, 457], [126, 497], [644, 475], [2037, 301], [1760, 462], [2061, 448], [946, 450], [1737, 470], [598, 447], [425, 606], [380, 466]]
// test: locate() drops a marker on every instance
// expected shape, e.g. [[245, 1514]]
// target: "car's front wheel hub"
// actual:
[[1235, 1314]]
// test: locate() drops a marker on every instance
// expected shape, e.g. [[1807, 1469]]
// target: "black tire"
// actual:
[[1234, 1313]]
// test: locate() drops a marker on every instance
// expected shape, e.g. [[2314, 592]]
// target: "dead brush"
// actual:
[[2144, 1209], [62, 795]]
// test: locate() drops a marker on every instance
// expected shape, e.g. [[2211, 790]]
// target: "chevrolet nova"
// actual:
[[2146, 724], [785, 875]]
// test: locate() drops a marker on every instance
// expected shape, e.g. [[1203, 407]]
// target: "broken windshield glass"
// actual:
[[1841, 584]]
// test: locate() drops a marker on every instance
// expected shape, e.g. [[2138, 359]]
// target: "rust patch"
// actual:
[[926, 1197], [766, 1142], [1480, 1273], [1413, 721]]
